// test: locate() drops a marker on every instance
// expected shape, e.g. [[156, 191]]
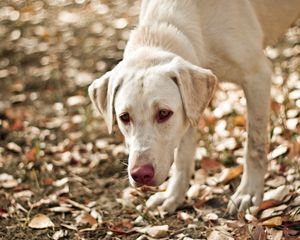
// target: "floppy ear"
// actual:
[[102, 93], [196, 85]]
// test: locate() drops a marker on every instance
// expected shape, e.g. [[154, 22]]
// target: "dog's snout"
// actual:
[[143, 174]]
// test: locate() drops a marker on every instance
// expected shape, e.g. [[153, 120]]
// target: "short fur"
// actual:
[[165, 66]]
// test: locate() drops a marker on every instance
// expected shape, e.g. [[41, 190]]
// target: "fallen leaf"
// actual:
[[5, 177], [23, 194], [273, 222], [86, 218], [250, 217], [210, 217], [48, 181], [40, 221], [154, 231], [275, 211], [268, 204], [294, 94], [209, 164], [239, 121], [184, 216], [60, 234], [292, 123], [60, 209], [229, 174], [121, 227], [277, 193], [276, 182], [17, 125], [210, 120], [296, 201], [194, 191], [11, 183], [78, 205], [31, 154], [277, 152], [14, 147], [61, 182]]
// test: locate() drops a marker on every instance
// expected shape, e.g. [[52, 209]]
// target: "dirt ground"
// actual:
[[63, 177]]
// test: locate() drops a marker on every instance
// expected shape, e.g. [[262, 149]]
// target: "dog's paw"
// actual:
[[168, 202], [245, 197]]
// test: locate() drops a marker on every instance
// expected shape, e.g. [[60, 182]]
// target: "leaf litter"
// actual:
[[63, 177]]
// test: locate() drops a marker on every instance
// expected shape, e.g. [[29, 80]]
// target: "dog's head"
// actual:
[[154, 98]]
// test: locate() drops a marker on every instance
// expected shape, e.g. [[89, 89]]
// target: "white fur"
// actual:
[[165, 67]]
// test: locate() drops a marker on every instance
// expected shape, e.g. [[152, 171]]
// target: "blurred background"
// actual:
[[54, 148]]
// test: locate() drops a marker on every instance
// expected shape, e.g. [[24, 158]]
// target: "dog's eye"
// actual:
[[125, 118], [163, 115]]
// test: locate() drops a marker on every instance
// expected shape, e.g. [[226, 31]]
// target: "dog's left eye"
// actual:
[[163, 115]]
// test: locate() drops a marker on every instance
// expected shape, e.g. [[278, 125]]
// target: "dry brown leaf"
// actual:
[[48, 181], [272, 222], [275, 106], [86, 219], [31, 154], [229, 174], [121, 227], [211, 120], [40, 221], [239, 121], [209, 164], [268, 204]]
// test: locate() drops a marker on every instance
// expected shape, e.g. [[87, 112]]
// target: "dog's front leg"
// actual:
[[178, 184], [257, 92]]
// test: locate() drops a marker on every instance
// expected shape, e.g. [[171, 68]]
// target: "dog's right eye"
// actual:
[[163, 115], [125, 118]]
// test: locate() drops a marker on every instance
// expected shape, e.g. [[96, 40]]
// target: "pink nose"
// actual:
[[143, 174]]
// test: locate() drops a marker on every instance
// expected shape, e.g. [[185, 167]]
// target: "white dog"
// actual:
[[158, 92]]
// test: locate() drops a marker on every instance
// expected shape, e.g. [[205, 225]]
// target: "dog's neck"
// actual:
[[164, 36]]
